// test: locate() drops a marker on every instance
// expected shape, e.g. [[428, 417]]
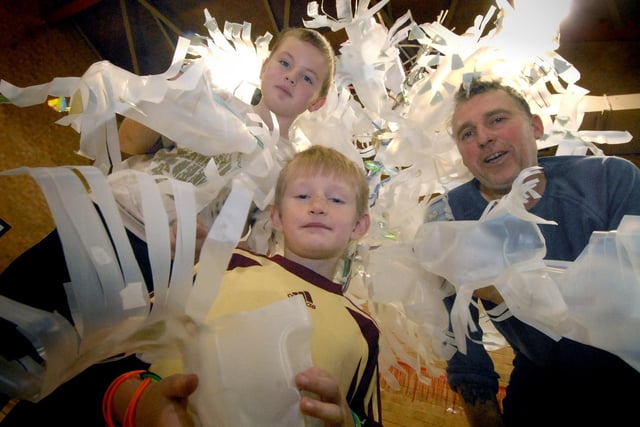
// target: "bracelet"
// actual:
[[107, 401], [356, 419], [129, 419]]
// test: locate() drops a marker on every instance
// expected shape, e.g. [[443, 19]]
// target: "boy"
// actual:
[[320, 207]]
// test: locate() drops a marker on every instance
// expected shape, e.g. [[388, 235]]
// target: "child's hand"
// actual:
[[164, 404], [330, 406]]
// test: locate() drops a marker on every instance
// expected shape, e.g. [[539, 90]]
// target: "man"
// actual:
[[552, 383]]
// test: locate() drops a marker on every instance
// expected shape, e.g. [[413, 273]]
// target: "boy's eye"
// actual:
[[336, 200], [308, 79], [284, 63], [302, 196]]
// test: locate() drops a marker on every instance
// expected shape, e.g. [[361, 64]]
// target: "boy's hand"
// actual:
[[164, 404], [330, 406]]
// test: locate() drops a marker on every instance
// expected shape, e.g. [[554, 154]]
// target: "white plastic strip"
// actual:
[[25, 379], [79, 263], [183, 260], [105, 200], [217, 248], [156, 224]]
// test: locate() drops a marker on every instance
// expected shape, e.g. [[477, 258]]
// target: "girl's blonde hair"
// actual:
[[321, 160], [318, 41]]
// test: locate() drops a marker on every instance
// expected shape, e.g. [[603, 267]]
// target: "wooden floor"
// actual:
[[398, 411], [418, 405]]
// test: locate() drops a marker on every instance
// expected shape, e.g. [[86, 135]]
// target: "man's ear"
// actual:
[[317, 104], [274, 215], [537, 125], [361, 227]]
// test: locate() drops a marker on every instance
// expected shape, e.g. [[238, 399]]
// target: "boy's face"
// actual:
[[317, 216], [292, 78], [496, 140]]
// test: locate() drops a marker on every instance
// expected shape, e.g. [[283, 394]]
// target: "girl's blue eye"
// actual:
[[336, 200], [308, 79], [284, 63]]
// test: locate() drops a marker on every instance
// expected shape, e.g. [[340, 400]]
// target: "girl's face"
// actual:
[[292, 78], [317, 217]]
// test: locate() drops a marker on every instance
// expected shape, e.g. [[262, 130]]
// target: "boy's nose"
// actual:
[[318, 205]]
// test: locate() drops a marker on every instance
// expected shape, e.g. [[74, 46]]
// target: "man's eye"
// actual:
[[465, 134]]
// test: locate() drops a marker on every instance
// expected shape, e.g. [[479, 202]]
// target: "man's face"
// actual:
[[496, 140]]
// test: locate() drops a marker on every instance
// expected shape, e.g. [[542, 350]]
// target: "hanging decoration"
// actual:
[[391, 116]]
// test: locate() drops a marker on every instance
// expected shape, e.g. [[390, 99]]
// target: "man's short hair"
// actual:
[[478, 86]]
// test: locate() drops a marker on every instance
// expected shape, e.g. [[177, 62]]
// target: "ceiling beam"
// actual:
[[159, 16], [129, 34], [272, 17], [287, 14], [615, 14]]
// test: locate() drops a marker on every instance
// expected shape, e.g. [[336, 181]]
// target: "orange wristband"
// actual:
[[107, 400], [130, 413]]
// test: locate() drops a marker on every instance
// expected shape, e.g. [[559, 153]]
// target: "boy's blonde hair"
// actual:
[[321, 160], [318, 41]]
